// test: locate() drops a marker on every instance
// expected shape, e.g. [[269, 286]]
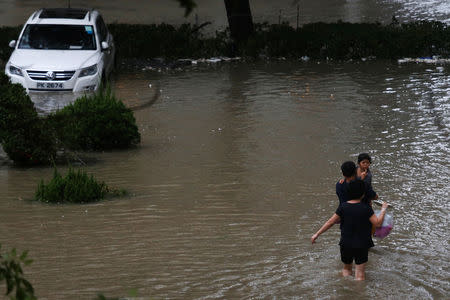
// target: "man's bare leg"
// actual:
[[347, 270], [360, 272]]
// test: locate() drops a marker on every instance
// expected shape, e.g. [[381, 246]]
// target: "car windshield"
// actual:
[[58, 37]]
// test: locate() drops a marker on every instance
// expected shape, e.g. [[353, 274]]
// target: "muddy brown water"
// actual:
[[235, 172]]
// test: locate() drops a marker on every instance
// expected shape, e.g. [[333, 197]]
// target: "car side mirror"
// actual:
[[12, 44], [105, 46]]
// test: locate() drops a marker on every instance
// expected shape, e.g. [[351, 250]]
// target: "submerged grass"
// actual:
[[75, 187]]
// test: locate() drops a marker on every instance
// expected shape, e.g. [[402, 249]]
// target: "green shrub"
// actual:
[[75, 187], [11, 272], [96, 122], [23, 134], [164, 40]]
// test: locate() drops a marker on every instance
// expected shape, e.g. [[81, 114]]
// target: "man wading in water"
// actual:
[[356, 219]]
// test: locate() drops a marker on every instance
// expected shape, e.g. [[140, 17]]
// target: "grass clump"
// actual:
[[75, 187], [95, 122]]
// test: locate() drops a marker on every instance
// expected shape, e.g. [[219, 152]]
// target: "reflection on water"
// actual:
[[48, 102], [235, 171], [423, 9], [135, 91]]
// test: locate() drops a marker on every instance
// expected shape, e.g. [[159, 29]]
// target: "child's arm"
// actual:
[[335, 218], [377, 221]]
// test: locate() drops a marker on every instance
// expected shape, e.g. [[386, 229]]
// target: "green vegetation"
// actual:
[[339, 40], [351, 41], [23, 134], [164, 40], [96, 122], [11, 272], [75, 187]]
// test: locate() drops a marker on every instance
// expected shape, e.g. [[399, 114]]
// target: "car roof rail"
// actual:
[[36, 13], [90, 13]]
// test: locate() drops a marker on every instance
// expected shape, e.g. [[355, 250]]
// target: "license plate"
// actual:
[[50, 85]]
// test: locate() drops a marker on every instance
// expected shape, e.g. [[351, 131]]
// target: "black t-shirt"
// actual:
[[342, 191], [355, 225]]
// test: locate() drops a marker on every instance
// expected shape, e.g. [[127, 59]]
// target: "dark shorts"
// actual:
[[360, 255]]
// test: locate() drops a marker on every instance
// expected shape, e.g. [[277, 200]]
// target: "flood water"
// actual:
[[235, 172], [237, 167]]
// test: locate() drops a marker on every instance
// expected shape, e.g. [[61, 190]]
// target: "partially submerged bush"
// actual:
[[96, 122], [23, 135], [75, 187]]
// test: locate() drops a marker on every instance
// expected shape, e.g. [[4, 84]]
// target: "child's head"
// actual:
[[348, 169], [356, 189], [364, 160]]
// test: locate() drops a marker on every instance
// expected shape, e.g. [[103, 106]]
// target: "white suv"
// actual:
[[62, 49]]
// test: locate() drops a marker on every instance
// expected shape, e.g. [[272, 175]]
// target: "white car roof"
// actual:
[[65, 16]]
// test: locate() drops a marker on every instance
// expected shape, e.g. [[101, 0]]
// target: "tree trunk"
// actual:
[[239, 19]]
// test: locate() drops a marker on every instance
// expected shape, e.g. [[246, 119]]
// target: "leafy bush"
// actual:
[[75, 187], [343, 40], [23, 134], [165, 40], [11, 272], [96, 122]]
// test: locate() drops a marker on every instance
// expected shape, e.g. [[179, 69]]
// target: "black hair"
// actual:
[[356, 189], [348, 169], [364, 156]]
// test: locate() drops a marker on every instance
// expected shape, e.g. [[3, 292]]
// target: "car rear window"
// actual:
[[58, 37]]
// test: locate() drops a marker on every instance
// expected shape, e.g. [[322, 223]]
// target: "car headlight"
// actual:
[[15, 70], [91, 70]]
